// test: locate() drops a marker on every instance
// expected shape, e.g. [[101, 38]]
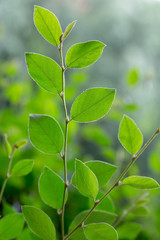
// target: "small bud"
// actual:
[[7, 145], [20, 143], [61, 94], [96, 202], [119, 183], [59, 212], [67, 120], [82, 224], [67, 184]]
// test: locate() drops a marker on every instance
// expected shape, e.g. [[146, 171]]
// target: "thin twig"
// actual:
[[8, 173]]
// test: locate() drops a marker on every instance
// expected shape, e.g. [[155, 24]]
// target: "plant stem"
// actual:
[[8, 173], [66, 137], [116, 184]]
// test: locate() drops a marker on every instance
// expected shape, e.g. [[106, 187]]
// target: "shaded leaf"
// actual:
[[140, 182], [11, 226], [51, 188], [45, 133], [28, 235], [140, 211], [128, 231], [129, 135], [84, 54], [48, 25], [78, 234], [45, 72], [86, 181], [22, 168], [39, 223], [69, 29], [92, 104], [142, 202], [100, 231]]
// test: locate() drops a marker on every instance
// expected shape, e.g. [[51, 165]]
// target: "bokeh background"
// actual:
[[130, 63]]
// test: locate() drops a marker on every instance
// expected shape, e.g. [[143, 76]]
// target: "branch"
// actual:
[[66, 135]]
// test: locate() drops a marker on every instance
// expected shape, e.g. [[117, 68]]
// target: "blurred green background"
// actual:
[[130, 63]]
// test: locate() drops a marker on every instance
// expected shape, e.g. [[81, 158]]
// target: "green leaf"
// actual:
[[51, 188], [45, 133], [48, 25], [7, 145], [133, 77], [7, 209], [129, 135], [28, 235], [128, 231], [11, 226], [78, 234], [21, 143], [92, 104], [142, 202], [22, 168], [103, 171], [86, 181], [100, 231], [141, 182], [84, 54], [45, 72], [39, 223], [69, 29], [140, 211], [95, 217], [105, 205]]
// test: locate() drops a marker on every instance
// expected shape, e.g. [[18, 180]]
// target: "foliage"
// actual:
[[93, 179]]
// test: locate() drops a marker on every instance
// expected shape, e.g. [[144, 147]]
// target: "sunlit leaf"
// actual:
[[140, 182], [129, 135], [69, 29], [39, 223], [86, 181], [84, 54], [11, 226], [45, 133], [92, 104], [51, 188], [48, 25], [133, 77], [22, 168], [45, 72], [103, 171]]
